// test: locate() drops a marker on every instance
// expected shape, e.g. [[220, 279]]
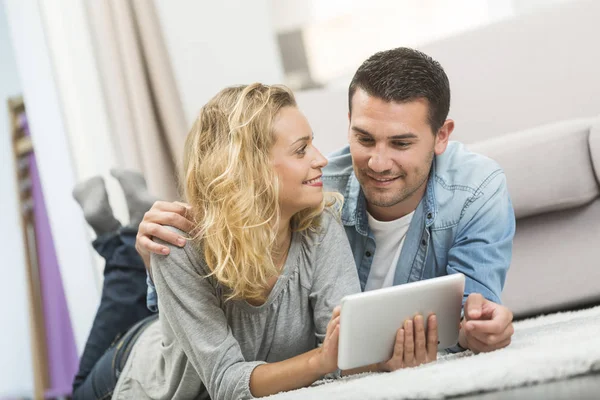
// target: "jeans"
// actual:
[[122, 306]]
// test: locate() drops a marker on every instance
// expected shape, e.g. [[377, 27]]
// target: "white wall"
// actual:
[[16, 376], [213, 44], [534, 69], [518, 73], [46, 117]]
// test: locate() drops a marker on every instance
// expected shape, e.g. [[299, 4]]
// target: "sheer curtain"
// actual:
[[142, 101]]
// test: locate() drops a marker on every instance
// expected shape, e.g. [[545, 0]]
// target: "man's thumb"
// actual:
[[474, 306]]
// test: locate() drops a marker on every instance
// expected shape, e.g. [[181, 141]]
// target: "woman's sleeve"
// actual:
[[334, 273], [190, 307]]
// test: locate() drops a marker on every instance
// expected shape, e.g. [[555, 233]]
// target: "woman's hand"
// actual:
[[325, 359], [413, 345], [162, 213]]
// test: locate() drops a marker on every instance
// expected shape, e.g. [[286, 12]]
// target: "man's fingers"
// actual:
[[169, 218], [184, 205], [473, 306], [494, 337], [432, 337], [149, 246], [409, 344], [170, 206], [152, 231], [477, 346], [501, 344], [490, 326], [420, 350]]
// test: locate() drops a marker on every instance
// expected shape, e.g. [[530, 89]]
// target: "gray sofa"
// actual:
[[553, 175]]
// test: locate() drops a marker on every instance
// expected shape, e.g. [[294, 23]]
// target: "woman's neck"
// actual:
[[282, 242]]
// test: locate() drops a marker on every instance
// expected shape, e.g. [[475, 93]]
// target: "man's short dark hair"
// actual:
[[403, 75]]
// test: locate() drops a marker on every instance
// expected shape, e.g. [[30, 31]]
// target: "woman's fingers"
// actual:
[[337, 310], [333, 341], [331, 326]]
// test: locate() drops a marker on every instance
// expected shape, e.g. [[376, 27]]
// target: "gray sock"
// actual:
[[136, 193], [93, 199]]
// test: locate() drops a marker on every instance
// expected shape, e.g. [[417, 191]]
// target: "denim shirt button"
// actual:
[[423, 242], [429, 215], [368, 254]]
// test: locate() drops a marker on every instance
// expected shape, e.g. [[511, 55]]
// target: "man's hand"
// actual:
[[413, 345], [162, 213], [486, 326]]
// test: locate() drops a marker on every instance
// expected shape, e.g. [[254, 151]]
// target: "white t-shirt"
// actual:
[[389, 237]]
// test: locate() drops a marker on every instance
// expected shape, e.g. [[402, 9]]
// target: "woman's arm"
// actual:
[[190, 314], [190, 307], [334, 274]]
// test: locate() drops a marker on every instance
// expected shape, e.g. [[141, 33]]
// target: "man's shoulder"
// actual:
[[459, 169], [464, 180], [338, 170], [339, 164]]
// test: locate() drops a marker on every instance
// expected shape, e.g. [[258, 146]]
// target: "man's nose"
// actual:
[[379, 162]]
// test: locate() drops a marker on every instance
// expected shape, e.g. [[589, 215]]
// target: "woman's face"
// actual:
[[297, 162]]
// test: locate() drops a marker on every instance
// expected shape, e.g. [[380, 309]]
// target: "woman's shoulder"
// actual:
[[325, 235], [189, 255]]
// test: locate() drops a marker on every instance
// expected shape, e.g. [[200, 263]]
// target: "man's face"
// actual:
[[392, 147]]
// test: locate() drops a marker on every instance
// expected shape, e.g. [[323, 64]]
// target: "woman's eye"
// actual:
[[302, 150]]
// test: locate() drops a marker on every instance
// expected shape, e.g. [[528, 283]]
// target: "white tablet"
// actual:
[[369, 321]]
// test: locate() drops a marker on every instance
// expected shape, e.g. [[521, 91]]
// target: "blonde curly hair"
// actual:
[[233, 190]]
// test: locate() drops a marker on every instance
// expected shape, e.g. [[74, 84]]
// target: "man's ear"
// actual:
[[442, 136], [349, 119]]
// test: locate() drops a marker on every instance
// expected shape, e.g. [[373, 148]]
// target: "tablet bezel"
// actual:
[[369, 320]]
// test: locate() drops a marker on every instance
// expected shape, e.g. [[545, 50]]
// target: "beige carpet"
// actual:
[[543, 349]]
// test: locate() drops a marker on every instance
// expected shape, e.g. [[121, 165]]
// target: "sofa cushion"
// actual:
[[547, 168], [555, 262], [595, 147]]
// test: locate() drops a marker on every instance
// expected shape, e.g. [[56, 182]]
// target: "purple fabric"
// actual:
[[62, 352]]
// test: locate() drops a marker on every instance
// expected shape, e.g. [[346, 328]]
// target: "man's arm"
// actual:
[[482, 251]]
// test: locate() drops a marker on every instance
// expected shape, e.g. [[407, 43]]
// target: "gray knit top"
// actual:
[[204, 347]]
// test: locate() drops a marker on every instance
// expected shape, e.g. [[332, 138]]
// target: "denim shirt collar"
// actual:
[[354, 211]]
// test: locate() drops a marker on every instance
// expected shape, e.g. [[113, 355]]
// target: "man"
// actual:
[[416, 206]]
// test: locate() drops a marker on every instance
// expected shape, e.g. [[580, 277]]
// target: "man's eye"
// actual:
[[401, 144], [365, 140]]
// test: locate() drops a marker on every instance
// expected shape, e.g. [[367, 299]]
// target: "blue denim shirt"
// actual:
[[464, 223]]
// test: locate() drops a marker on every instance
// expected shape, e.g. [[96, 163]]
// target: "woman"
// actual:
[[248, 309], [243, 309]]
